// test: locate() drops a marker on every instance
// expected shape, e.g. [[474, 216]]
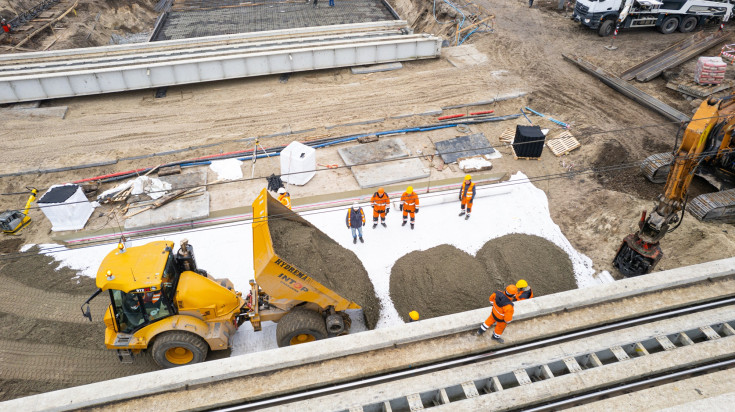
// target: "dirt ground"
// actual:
[[445, 280], [307, 248], [594, 210]]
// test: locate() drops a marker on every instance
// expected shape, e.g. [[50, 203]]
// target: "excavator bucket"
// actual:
[[635, 257]]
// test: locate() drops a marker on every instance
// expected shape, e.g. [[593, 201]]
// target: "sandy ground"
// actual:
[[595, 211]]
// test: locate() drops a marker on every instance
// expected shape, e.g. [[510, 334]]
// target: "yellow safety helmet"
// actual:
[[413, 315], [468, 177], [409, 190], [522, 284]]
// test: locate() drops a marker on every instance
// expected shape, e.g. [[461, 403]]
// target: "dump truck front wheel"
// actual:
[[300, 325], [178, 348]]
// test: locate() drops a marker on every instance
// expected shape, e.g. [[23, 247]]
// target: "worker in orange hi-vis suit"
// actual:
[[524, 291], [409, 205], [502, 312], [284, 197], [381, 205], [467, 195]]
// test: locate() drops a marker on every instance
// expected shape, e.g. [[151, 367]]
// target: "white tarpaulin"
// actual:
[[298, 163], [66, 207]]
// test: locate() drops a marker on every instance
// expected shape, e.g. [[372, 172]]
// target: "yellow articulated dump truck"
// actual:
[[163, 304]]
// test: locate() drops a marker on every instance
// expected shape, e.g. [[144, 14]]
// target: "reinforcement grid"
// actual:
[[268, 15]]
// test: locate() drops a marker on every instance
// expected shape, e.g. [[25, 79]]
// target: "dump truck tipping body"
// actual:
[[285, 283]]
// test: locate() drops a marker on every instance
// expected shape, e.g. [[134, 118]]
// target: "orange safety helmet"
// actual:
[[381, 190], [511, 290]]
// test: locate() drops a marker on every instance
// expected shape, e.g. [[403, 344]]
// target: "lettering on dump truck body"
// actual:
[[291, 269], [293, 283]]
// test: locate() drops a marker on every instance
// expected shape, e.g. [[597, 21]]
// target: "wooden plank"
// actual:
[[508, 136]]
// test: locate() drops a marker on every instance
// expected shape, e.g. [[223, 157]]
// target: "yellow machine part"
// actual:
[[283, 281], [133, 268], [196, 293]]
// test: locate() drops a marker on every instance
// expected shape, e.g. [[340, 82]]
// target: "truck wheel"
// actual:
[[606, 28], [300, 325], [178, 348], [668, 25], [688, 24]]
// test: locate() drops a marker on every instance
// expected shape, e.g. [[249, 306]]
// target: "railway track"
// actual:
[[626, 342]]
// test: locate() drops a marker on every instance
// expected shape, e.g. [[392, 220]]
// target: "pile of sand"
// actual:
[[445, 280], [312, 252]]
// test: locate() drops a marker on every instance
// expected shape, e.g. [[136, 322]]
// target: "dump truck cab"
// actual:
[[148, 284]]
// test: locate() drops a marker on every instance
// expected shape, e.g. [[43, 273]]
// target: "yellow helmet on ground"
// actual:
[[468, 177], [522, 284], [409, 190], [413, 315]]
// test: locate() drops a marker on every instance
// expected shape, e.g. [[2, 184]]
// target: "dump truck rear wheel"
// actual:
[[178, 348], [300, 325], [688, 24]]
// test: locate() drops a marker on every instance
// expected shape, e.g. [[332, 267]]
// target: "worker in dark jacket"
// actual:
[[467, 195], [355, 221], [524, 291], [502, 312]]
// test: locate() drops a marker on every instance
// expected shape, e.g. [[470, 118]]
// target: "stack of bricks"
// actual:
[[710, 70]]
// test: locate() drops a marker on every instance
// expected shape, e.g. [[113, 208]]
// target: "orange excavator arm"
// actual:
[[705, 136]]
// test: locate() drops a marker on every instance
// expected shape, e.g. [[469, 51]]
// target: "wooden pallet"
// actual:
[[563, 144], [691, 88], [508, 136], [522, 157]]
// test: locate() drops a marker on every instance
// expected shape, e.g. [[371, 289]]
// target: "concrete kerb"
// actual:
[[235, 367]]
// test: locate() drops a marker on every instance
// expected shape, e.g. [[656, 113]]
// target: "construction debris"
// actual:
[[475, 163], [563, 144]]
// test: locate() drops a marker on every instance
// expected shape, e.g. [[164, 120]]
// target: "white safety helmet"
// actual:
[[355, 205], [281, 190]]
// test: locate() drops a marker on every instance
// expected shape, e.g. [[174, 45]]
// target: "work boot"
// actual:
[[467, 217], [498, 338], [461, 213], [479, 331], [384, 225], [361, 241], [404, 223], [376, 225], [411, 226], [354, 240]]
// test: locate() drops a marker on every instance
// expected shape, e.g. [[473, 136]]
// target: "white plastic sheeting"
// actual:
[[66, 207], [298, 163]]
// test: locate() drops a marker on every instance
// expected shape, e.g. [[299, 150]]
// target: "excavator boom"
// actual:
[[707, 137]]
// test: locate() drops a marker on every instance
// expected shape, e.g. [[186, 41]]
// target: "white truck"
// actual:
[[665, 15]]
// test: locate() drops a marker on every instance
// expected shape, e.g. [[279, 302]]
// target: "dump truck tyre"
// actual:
[[177, 348], [669, 25], [300, 325], [688, 24], [606, 28]]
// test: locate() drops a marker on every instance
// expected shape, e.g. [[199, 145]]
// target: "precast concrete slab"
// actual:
[[353, 357], [388, 173], [383, 149], [265, 15], [464, 146]]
